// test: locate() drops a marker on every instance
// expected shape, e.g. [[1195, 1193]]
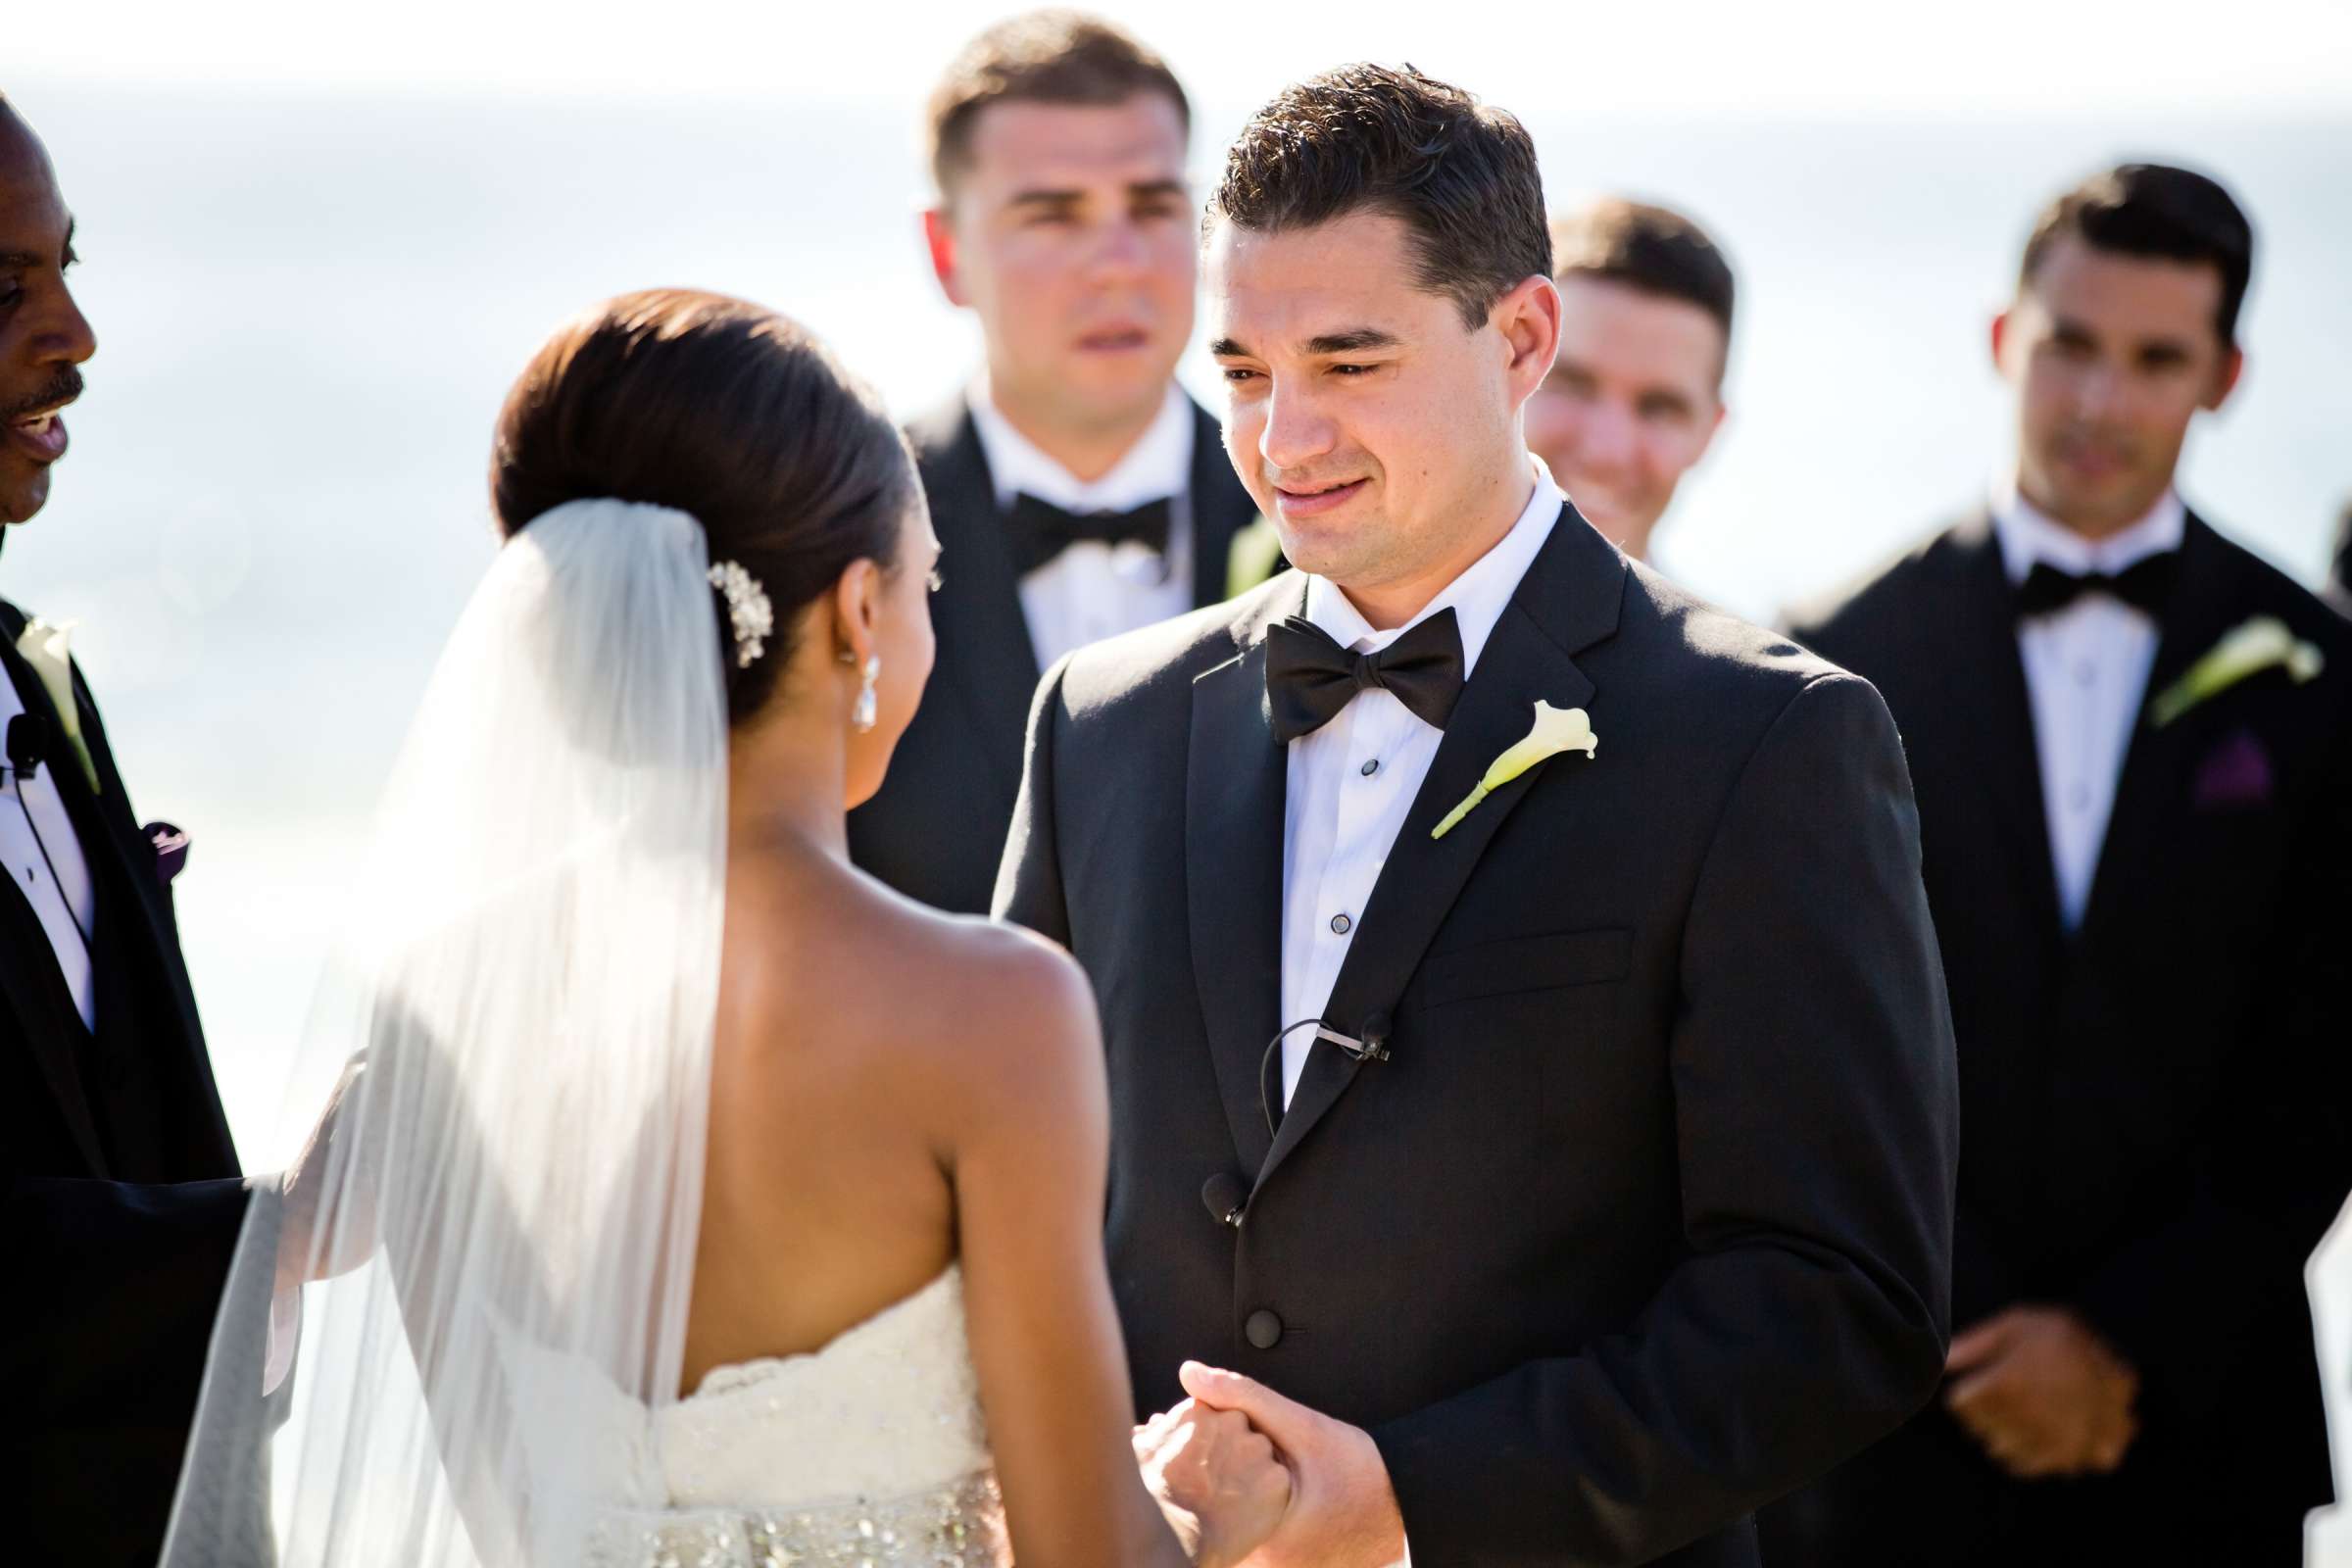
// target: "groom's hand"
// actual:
[[2043, 1393], [1342, 1511]]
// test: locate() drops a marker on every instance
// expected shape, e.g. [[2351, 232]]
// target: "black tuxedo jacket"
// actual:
[[122, 1202], [1646, 1218], [2158, 1127], [936, 830]]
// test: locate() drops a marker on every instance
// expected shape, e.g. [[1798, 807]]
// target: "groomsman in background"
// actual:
[[2132, 742], [122, 1202], [1637, 394], [1077, 491]]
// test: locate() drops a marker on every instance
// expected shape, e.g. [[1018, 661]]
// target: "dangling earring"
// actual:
[[867, 711]]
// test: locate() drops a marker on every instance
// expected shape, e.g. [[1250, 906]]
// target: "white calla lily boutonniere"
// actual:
[[1557, 730], [2254, 645], [43, 647]]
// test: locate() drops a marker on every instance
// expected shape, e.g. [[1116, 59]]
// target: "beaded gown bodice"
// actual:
[[870, 1452]]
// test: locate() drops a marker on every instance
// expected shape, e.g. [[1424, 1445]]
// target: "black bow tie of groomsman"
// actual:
[[1040, 530], [2144, 585], [1310, 677]]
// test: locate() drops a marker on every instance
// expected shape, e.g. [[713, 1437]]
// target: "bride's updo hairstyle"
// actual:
[[727, 411]]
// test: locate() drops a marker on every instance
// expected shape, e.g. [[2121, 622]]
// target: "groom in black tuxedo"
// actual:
[[2137, 862], [123, 1200], [1077, 491], [1599, 1189]]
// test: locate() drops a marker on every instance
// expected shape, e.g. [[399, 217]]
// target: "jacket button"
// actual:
[[1263, 1329]]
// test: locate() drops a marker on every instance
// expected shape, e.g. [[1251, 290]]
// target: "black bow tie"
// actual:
[[1310, 677], [2143, 585], [1039, 530]]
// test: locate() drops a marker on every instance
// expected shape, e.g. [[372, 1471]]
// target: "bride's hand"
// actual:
[[302, 1252], [1218, 1480]]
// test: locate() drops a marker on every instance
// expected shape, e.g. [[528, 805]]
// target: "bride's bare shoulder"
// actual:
[[955, 992]]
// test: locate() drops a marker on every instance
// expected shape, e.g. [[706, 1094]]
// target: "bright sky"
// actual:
[[1739, 56]]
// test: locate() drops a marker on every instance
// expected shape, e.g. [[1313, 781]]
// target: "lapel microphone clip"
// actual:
[[28, 744], [1372, 1047]]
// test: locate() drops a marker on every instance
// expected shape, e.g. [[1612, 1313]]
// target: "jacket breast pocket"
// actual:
[[1516, 965]]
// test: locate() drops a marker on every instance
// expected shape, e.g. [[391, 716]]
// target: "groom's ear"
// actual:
[[939, 236], [1529, 320]]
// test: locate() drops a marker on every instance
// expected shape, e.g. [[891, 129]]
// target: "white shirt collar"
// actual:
[[1158, 465], [2028, 536], [1477, 598]]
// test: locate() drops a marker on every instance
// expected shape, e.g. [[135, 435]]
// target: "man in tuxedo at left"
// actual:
[[1559, 1155], [1077, 490], [123, 1200]]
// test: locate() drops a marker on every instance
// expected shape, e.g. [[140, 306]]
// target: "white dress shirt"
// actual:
[[2087, 675], [1352, 783], [63, 900], [1094, 590]]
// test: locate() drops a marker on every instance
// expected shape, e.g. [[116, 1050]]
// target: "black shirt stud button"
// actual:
[[1263, 1329]]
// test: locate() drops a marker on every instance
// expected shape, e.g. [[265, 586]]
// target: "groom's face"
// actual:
[[1367, 421], [43, 336]]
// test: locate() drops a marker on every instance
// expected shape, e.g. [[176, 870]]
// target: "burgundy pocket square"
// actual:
[[171, 847], [2233, 775]]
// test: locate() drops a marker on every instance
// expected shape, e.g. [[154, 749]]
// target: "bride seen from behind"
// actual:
[[698, 1198]]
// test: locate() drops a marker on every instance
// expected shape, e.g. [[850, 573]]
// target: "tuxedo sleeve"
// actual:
[[1029, 886], [1817, 1134], [2185, 1299], [117, 1287]]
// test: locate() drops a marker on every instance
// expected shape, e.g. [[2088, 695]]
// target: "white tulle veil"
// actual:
[[531, 975]]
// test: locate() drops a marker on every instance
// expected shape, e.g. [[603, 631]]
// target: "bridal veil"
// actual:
[[521, 1016]]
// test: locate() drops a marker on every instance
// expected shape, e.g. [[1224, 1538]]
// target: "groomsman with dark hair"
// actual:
[[1635, 396], [2132, 742], [1077, 491], [122, 1201]]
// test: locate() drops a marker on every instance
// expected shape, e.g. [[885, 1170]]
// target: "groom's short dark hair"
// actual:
[[2154, 210], [1045, 57], [1460, 174]]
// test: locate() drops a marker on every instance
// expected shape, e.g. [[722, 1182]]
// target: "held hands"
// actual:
[[2044, 1394], [1218, 1480], [1339, 1510]]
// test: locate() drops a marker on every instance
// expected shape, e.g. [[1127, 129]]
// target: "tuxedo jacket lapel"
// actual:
[[993, 668], [1236, 788], [35, 992], [1568, 600], [2203, 608], [1987, 683]]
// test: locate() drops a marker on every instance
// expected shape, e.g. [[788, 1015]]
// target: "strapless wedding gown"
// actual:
[[870, 1451]]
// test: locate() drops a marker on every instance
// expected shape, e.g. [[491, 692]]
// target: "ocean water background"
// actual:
[[310, 303]]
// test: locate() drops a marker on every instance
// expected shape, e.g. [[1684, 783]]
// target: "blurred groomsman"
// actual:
[[1077, 491], [2132, 743], [1636, 395]]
